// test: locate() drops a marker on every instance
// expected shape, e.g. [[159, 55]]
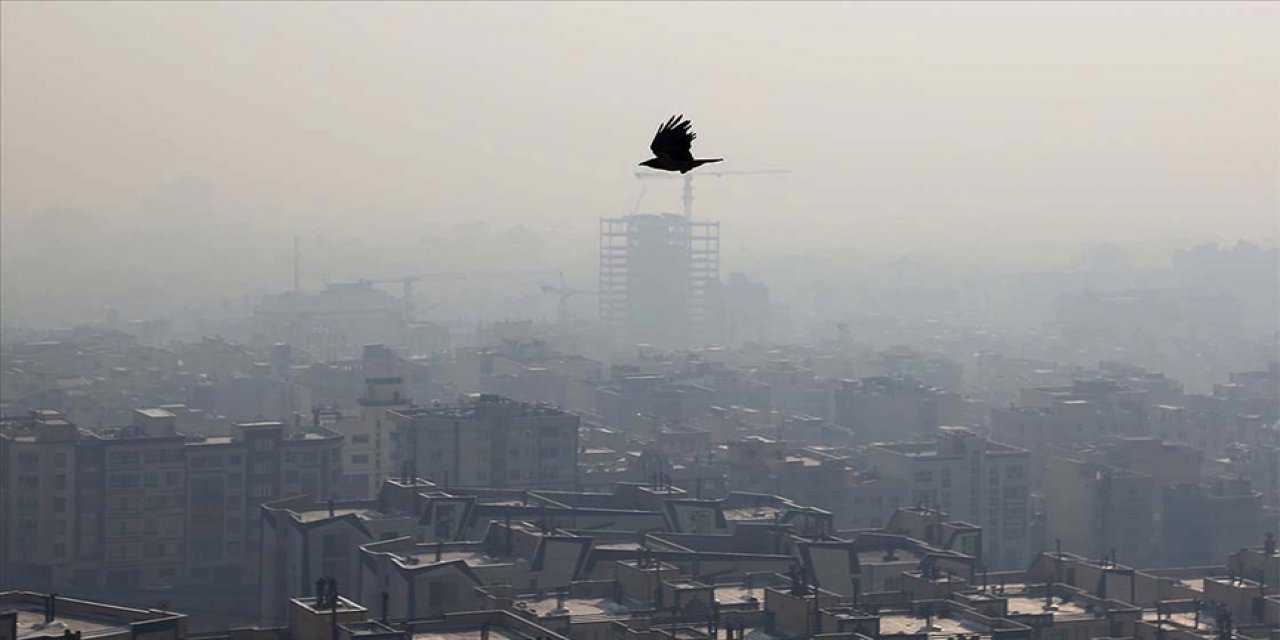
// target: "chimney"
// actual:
[[1270, 544], [386, 602], [50, 607], [439, 549], [330, 507]]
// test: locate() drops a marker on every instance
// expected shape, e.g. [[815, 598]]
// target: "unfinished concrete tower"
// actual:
[[658, 274]]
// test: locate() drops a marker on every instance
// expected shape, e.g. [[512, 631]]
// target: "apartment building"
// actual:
[[93, 508], [368, 436], [973, 479], [489, 441], [1101, 511], [143, 506], [886, 408]]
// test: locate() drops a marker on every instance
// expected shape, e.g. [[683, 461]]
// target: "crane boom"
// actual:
[[687, 195]]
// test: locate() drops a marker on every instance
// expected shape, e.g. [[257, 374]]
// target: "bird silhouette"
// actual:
[[671, 147]]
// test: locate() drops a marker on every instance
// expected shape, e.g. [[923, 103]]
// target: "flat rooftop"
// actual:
[[1185, 620], [893, 624], [322, 513], [31, 624], [426, 555], [576, 607], [1035, 605], [470, 634], [876, 556], [154, 413], [751, 513], [737, 593]]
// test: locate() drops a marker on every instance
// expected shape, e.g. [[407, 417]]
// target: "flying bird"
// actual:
[[671, 147]]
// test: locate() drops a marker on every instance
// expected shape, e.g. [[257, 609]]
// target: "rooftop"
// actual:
[[470, 634], [31, 624], [425, 554], [911, 624], [877, 556], [550, 606]]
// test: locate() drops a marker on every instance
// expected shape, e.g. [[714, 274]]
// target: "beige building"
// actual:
[[489, 442], [969, 477], [367, 450], [1098, 511]]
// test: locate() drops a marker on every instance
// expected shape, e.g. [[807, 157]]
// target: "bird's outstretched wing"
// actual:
[[674, 139]]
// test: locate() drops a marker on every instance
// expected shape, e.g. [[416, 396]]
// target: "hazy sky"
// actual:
[[911, 123]]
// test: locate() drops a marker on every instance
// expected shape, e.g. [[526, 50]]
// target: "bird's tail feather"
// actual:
[[708, 160]]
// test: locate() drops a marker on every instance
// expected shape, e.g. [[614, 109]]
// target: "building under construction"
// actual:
[[658, 278]]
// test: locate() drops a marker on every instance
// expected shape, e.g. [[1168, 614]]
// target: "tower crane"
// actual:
[[407, 281], [565, 293], [688, 181]]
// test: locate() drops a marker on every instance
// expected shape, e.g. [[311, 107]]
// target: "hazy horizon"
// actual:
[[912, 128]]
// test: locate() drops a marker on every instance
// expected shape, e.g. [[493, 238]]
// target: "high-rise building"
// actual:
[[490, 441], [659, 275]]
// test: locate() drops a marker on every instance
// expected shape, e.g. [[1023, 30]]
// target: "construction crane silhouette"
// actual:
[[565, 293], [407, 281], [688, 182]]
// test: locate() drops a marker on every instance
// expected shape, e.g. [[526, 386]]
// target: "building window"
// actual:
[[59, 459], [360, 439], [924, 476], [124, 457], [360, 459]]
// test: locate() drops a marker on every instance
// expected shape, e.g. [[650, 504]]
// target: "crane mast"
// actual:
[[687, 191]]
